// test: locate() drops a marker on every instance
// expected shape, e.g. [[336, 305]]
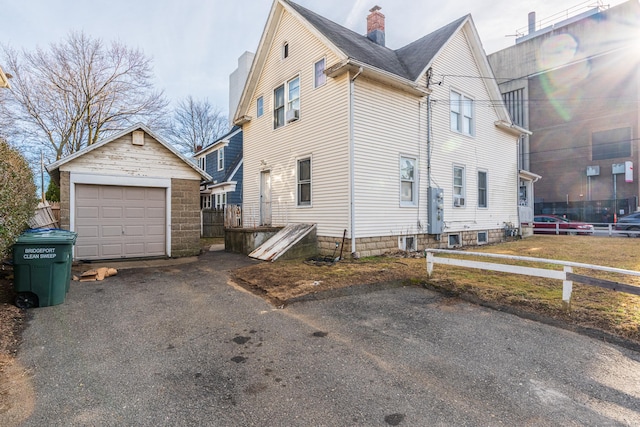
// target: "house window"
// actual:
[[278, 107], [294, 94], [205, 201], [304, 182], [482, 238], [320, 78], [461, 113], [285, 50], [407, 243], [259, 107], [611, 144], [407, 181], [458, 186], [220, 200], [221, 159], [454, 241], [202, 163], [482, 189]]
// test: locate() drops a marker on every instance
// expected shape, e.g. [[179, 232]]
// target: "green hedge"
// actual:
[[17, 196]]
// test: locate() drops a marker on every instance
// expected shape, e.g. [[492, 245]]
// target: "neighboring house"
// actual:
[[128, 196], [391, 148], [222, 160], [575, 84]]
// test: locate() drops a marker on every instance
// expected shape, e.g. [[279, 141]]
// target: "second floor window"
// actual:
[[294, 94], [221, 159], [462, 114], [278, 107]]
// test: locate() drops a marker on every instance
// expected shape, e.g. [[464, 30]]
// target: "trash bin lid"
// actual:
[[47, 236]]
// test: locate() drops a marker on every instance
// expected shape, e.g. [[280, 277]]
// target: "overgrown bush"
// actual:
[[17, 196]]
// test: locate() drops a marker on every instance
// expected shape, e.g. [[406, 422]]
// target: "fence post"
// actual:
[[567, 287], [429, 263]]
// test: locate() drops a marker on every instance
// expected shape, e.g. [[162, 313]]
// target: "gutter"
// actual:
[[352, 214]]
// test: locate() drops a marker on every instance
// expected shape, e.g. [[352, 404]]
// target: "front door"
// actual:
[[265, 198]]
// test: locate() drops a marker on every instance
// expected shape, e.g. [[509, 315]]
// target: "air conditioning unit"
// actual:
[[292, 115], [458, 201]]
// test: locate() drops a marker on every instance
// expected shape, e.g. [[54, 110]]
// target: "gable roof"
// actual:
[[402, 67], [408, 62], [224, 139], [55, 166]]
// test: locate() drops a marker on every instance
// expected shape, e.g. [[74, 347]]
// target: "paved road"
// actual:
[[179, 346]]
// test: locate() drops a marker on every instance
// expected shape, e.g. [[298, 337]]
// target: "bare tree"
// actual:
[[77, 91], [196, 124]]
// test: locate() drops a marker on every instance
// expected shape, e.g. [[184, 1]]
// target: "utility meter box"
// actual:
[[436, 211]]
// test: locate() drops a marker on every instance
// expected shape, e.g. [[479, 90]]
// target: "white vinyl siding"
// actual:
[[323, 134], [462, 108], [450, 147]]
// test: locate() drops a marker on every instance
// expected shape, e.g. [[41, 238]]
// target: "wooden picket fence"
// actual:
[[47, 215]]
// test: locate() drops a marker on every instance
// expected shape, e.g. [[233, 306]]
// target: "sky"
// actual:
[[195, 44]]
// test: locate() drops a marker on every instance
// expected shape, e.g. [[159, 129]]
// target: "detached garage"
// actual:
[[130, 196]]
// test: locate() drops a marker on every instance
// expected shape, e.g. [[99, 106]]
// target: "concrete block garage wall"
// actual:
[[185, 217]]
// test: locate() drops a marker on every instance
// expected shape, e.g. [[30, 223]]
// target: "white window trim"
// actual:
[[486, 236], [284, 105], [414, 196], [486, 188], [459, 128], [456, 236], [402, 243], [220, 161], [463, 186], [298, 160], [202, 163], [259, 101], [315, 81], [287, 100], [285, 50]]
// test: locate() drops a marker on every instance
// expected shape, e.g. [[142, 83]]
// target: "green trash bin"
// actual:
[[42, 267]]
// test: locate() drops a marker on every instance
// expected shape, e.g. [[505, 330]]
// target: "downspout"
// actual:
[[352, 219]]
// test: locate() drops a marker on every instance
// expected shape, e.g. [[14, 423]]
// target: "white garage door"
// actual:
[[119, 222]]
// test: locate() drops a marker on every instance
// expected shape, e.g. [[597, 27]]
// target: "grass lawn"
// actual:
[[613, 312]]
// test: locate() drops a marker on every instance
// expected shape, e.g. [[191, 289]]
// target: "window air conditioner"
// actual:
[[293, 115], [458, 201]]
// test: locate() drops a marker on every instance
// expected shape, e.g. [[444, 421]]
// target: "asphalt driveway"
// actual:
[[179, 345]]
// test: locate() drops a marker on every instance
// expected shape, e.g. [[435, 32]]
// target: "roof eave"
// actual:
[[373, 73], [512, 128]]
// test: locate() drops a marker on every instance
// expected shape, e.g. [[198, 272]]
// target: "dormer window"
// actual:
[[285, 50]]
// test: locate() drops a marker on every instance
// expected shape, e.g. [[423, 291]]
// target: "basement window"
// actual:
[[483, 238], [455, 241], [407, 243]]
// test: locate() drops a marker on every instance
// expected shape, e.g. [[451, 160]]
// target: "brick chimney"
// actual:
[[375, 26]]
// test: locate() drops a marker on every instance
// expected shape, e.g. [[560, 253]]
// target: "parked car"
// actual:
[[630, 223], [552, 224]]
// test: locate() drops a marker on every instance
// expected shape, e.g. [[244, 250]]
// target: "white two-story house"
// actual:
[[392, 149]]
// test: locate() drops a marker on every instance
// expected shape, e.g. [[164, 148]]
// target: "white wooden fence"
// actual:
[[566, 275]]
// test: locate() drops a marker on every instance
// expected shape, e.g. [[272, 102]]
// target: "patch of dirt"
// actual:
[[12, 323], [283, 281]]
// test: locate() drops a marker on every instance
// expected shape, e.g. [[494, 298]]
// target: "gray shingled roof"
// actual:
[[408, 62]]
